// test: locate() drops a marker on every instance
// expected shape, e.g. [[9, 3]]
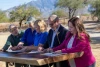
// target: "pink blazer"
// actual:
[[78, 45]]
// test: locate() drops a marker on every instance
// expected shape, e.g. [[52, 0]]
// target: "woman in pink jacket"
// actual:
[[77, 40]]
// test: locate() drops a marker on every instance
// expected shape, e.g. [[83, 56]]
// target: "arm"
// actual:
[[43, 39], [81, 45], [20, 44], [61, 46], [24, 37], [42, 42], [46, 45], [7, 44]]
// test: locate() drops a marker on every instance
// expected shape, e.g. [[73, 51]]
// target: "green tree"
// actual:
[[22, 12], [3, 17], [60, 13], [95, 8], [71, 5]]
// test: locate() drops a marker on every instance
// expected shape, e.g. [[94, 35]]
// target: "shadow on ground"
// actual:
[[91, 31], [91, 22], [95, 40]]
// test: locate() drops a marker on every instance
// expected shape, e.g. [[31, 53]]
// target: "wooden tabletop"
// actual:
[[36, 58]]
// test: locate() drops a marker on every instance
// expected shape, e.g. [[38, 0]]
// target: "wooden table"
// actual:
[[37, 58]]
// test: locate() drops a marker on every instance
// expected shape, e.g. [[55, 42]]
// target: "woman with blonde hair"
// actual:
[[40, 35]]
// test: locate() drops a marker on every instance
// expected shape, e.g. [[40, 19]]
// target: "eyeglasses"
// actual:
[[51, 23], [54, 21]]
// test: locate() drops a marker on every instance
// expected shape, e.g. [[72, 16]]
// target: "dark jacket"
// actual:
[[60, 36], [13, 40]]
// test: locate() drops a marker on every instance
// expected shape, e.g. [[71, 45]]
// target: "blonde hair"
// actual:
[[41, 23]]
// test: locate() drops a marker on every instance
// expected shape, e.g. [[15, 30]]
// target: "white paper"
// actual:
[[34, 51], [14, 51], [51, 54]]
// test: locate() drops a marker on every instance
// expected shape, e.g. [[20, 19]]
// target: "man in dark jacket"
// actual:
[[56, 36]]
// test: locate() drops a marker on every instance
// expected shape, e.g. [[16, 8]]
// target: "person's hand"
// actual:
[[40, 48], [13, 48], [16, 48], [57, 52], [1, 50], [27, 49], [20, 45], [49, 50]]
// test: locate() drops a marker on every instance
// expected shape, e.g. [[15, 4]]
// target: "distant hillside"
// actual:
[[46, 7]]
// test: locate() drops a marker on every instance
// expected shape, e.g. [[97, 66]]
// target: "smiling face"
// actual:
[[40, 26], [13, 30], [37, 28]]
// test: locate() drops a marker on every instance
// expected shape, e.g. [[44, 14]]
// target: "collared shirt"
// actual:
[[53, 36], [13, 40], [70, 42], [71, 61], [28, 37], [40, 38]]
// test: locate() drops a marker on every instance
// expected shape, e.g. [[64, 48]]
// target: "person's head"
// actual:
[[31, 25], [76, 26], [53, 21], [30, 22], [40, 25], [13, 29]]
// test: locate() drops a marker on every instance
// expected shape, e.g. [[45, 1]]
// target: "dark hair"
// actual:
[[77, 23]]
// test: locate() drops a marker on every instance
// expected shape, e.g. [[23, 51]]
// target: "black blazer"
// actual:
[[60, 36]]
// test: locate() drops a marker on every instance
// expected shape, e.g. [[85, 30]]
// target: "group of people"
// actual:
[[58, 39]]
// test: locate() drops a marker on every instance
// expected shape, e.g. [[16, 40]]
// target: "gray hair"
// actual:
[[9, 28], [54, 18]]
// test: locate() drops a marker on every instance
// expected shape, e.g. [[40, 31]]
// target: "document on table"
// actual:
[[14, 51], [33, 51], [50, 54]]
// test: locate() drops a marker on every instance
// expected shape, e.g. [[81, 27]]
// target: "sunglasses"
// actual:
[[51, 24], [54, 21]]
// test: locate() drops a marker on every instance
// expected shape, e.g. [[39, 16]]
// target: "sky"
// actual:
[[6, 4]]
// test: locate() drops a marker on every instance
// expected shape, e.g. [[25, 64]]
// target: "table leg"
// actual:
[[57, 64], [7, 65]]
